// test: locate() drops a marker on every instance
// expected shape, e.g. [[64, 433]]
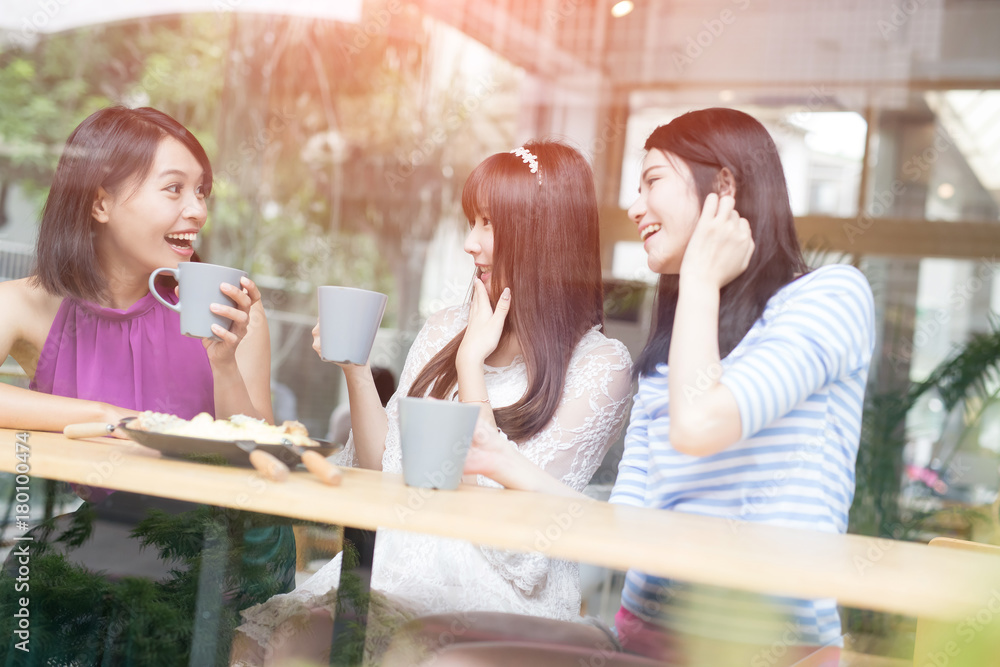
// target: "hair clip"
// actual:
[[529, 159]]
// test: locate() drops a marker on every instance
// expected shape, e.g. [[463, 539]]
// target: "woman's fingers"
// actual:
[[710, 207], [721, 245], [484, 431], [725, 209], [223, 348], [316, 340], [718, 209], [242, 299], [229, 338], [484, 451], [503, 307], [750, 245], [238, 316], [482, 335], [225, 335], [251, 289], [479, 298]]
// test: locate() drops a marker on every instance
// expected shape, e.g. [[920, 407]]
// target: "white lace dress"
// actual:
[[421, 574]]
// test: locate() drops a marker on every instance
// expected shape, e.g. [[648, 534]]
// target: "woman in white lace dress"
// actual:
[[529, 349]]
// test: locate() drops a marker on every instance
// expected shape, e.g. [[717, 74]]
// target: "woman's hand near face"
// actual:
[[721, 245], [485, 326], [482, 335]]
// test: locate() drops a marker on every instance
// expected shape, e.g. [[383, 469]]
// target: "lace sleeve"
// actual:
[[439, 328], [590, 415]]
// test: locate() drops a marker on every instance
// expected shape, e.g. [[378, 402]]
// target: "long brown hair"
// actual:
[[109, 149], [706, 141], [546, 248]]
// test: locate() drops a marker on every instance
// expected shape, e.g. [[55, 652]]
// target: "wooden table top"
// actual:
[[865, 572]]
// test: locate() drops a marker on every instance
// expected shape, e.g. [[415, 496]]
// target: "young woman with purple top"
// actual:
[[128, 196]]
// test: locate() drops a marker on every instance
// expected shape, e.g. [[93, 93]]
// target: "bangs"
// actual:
[[480, 190], [501, 188]]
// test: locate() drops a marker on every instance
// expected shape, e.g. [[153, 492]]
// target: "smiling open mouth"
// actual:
[[649, 231], [181, 241]]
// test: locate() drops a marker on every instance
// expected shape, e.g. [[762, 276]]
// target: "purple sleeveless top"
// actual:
[[136, 358]]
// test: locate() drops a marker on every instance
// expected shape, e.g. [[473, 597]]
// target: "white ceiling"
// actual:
[[972, 119], [26, 19]]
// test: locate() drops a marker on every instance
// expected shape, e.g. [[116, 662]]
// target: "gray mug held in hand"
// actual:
[[200, 286], [349, 318], [434, 436]]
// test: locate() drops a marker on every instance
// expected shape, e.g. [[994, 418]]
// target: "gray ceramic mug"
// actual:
[[348, 321], [200, 286], [434, 436]]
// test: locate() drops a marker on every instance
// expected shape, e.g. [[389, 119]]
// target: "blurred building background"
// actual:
[[341, 134]]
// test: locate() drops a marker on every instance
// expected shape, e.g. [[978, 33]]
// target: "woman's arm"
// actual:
[[241, 360], [35, 411], [369, 424], [371, 428], [493, 455], [25, 321], [822, 331], [704, 416], [564, 456]]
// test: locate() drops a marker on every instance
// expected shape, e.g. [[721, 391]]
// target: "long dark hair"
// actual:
[[110, 149], [708, 141], [546, 248]]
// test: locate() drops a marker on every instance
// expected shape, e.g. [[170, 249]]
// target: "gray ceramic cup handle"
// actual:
[[156, 295]]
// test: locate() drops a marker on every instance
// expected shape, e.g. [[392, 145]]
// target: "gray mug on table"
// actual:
[[434, 436], [200, 286], [348, 321]]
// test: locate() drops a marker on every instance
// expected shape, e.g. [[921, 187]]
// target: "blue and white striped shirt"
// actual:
[[798, 377]]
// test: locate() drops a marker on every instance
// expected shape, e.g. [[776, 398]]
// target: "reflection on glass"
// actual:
[[140, 580]]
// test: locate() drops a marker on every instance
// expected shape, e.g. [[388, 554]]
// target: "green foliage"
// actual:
[[36, 116], [880, 466], [79, 616], [967, 375], [336, 152], [353, 603]]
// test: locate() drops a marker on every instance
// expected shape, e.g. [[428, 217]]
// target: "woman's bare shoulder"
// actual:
[[30, 295], [29, 309]]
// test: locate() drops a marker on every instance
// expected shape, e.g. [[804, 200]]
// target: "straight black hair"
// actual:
[[707, 141], [110, 149], [546, 248]]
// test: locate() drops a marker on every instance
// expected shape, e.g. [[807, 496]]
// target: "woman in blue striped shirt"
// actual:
[[751, 386]]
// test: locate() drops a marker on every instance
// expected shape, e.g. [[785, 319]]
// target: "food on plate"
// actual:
[[238, 427]]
